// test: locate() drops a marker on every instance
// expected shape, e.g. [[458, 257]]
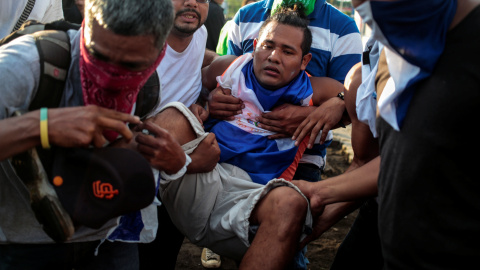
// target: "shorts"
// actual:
[[213, 209]]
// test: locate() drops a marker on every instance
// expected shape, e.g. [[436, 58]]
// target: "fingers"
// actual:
[[314, 133], [315, 123], [154, 131], [200, 113], [210, 138], [203, 116], [325, 131], [116, 115], [266, 117], [147, 151], [222, 105], [272, 128], [99, 140], [278, 136], [160, 148], [226, 103], [114, 120], [206, 156], [308, 239], [300, 132], [197, 113], [268, 121], [83, 126], [307, 127], [212, 141], [276, 121], [226, 91], [115, 125]]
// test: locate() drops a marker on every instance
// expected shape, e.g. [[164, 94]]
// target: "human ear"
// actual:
[[305, 60]]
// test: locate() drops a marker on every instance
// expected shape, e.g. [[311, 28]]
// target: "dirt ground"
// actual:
[[320, 252]]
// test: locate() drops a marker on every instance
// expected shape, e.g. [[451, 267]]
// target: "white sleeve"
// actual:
[[177, 175], [54, 11]]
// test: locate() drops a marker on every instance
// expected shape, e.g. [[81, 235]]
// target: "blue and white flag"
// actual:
[[242, 142], [413, 33], [139, 226]]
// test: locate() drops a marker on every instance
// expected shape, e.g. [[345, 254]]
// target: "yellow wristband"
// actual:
[[44, 128]]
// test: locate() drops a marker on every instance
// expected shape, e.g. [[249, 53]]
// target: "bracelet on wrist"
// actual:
[[44, 128]]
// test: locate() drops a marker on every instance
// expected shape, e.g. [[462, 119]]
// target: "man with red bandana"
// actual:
[[117, 49]]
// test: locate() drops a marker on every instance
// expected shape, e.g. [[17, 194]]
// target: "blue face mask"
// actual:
[[413, 33], [414, 29]]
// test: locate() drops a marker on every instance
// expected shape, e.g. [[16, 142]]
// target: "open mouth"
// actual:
[[272, 71], [188, 16]]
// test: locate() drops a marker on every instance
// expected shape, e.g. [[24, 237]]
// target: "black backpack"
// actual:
[[53, 45]]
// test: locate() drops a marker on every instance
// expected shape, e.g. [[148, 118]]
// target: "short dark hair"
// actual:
[[130, 18], [293, 16]]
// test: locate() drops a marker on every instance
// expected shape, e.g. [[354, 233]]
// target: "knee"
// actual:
[[285, 215], [288, 205]]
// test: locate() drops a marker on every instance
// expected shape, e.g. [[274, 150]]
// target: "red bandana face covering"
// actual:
[[111, 86]]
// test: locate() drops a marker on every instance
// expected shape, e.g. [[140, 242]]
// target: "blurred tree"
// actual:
[[232, 7], [343, 5]]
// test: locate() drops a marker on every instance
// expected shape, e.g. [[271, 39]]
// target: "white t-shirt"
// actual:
[[181, 73], [43, 11]]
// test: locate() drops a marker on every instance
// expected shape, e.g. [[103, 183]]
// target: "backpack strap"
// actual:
[[26, 12], [29, 27], [54, 52], [54, 58], [32, 26]]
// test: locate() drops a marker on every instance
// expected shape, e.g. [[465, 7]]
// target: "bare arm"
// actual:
[[324, 88], [356, 184], [214, 69], [67, 127], [333, 198], [208, 57]]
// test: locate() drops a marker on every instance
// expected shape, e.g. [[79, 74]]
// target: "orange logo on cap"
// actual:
[[103, 190], [58, 181]]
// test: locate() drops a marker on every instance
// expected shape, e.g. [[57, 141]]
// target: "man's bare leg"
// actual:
[[176, 123], [280, 215]]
